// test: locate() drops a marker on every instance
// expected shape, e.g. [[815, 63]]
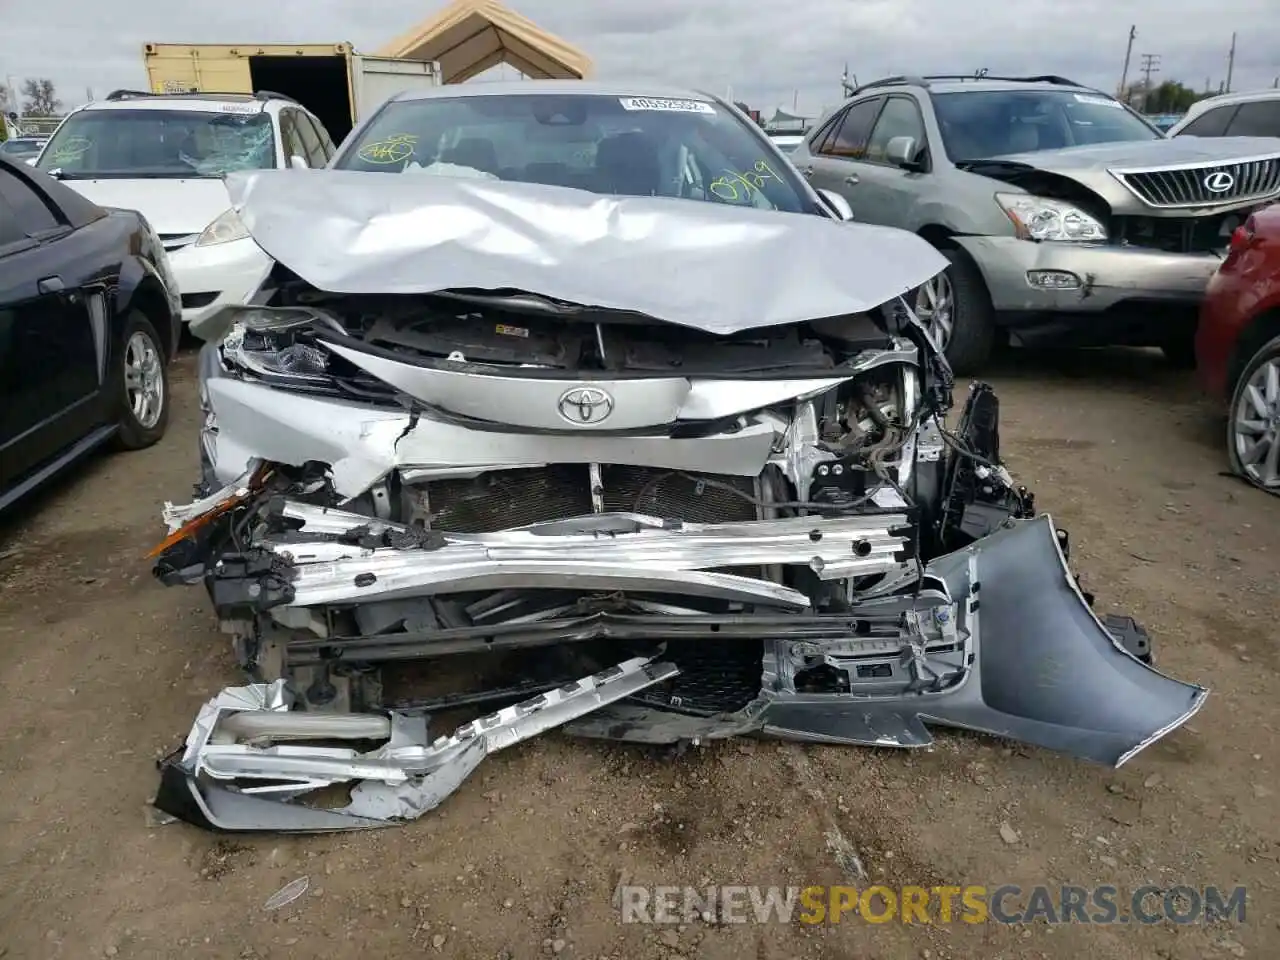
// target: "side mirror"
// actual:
[[297, 162], [901, 151], [838, 204]]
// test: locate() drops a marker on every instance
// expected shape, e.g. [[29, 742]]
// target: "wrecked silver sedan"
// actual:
[[636, 467]]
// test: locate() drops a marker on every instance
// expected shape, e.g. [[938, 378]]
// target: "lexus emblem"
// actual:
[[1219, 182], [585, 405]]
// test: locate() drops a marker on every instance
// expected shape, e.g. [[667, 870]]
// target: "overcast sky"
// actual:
[[768, 53]]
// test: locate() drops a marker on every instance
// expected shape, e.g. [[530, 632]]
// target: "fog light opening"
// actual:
[[1053, 279]]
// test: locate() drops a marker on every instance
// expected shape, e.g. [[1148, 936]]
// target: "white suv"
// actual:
[[165, 155], [1250, 114]]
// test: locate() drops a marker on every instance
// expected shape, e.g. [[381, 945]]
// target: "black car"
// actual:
[[89, 320]]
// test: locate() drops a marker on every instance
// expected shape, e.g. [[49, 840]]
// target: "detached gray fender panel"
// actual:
[[1049, 672], [1045, 670]]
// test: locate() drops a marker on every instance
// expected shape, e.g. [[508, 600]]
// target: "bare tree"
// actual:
[[40, 99]]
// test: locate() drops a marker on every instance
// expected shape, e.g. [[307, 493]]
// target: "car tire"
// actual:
[[1243, 409], [141, 385], [971, 338]]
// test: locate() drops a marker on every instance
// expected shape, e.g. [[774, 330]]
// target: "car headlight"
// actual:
[[227, 227], [275, 344], [1041, 218]]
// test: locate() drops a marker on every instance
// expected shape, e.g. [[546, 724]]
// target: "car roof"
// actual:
[[966, 86], [78, 209], [585, 88], [196, 103], [1226, 99]]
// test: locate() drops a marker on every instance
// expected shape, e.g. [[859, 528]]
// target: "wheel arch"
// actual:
[[142, 289], [1262, 329]]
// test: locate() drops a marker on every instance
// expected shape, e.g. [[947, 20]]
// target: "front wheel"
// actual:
[[956, 309], [142, 392], [1253, 423]]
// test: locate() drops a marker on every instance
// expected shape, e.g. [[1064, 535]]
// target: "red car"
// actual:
[[1238, 347]]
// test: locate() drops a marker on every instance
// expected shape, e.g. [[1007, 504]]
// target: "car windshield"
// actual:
[[636, 146], [20, 148], [161, 143], [977, 124]]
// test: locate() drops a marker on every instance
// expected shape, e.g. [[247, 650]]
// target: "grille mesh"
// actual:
[[716, 676], [1188, 186], [512, 498], [675, 496]]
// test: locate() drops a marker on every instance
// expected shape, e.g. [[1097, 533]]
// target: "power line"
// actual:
[[1150, 65]]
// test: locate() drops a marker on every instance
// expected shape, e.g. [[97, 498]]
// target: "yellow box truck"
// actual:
[[331, 80]]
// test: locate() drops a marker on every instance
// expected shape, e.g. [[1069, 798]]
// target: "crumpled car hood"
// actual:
[[1148, 153], [704, 265]]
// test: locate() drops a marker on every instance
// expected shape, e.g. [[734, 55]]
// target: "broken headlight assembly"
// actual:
[[1042, 218], [276, 345], [224, 229]]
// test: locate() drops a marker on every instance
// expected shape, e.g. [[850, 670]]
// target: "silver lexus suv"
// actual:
[[1065, 216]]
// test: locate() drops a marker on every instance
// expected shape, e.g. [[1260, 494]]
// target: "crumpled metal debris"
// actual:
[[249, 757]]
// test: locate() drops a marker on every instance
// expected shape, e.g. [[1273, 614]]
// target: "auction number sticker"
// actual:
[[666, 104], [1098, 101]]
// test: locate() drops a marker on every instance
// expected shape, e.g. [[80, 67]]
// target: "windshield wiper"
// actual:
[[995, 163]]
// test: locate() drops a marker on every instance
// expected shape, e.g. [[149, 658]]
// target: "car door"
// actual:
[[49, 346], [1258, 118], [835, 164], [887, 190]]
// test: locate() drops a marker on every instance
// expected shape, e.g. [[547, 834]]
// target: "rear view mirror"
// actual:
[[901, 151], [838, 204], [297, 162]]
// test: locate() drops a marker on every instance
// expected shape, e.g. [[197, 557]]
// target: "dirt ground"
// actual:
[[105, 670]]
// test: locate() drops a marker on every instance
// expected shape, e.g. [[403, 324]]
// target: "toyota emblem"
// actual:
[[1219, 182], [585, 405]]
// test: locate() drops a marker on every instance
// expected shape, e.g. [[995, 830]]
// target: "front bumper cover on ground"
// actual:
[[998, 640]]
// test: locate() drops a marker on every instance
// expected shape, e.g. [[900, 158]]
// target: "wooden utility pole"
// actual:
[[1150, 65], [1231, 61], [1124, 73], [846, 87]]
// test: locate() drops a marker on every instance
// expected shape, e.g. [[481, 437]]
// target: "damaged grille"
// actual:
[[502, 499], [716, 676], [1199, 186], [1179, 234]]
